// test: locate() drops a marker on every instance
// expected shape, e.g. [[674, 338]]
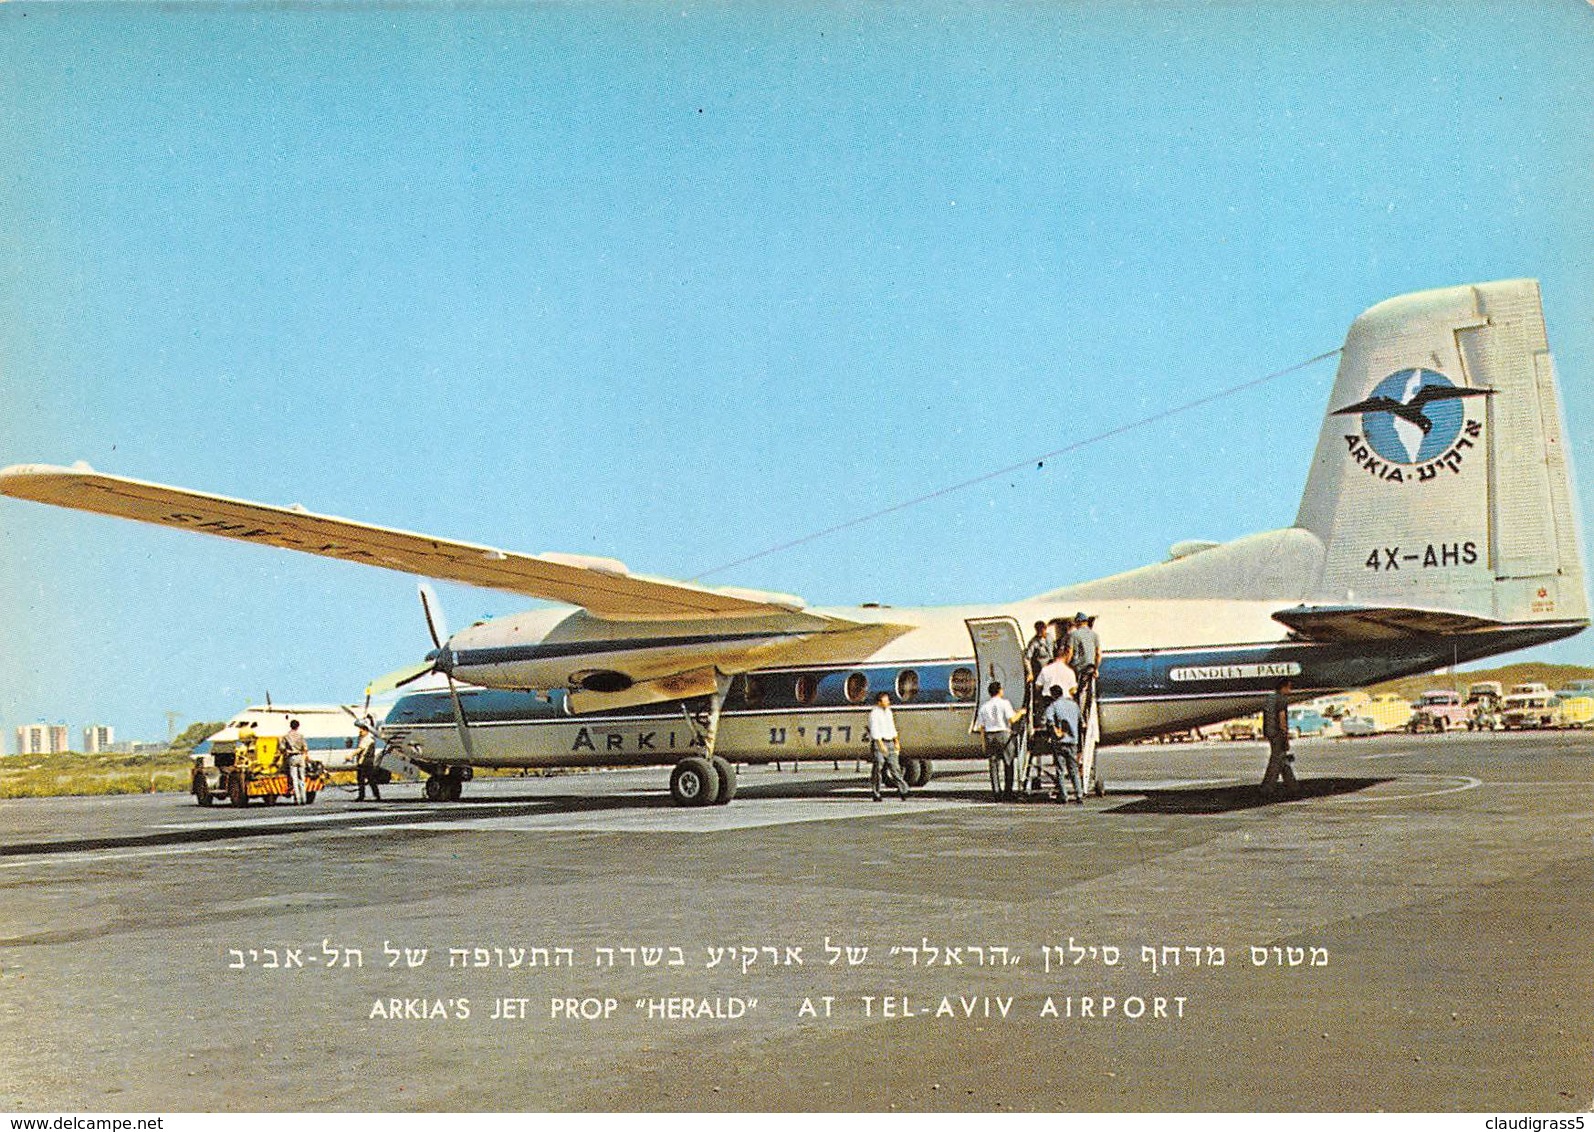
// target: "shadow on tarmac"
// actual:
[[1228, 799], [817, 791]]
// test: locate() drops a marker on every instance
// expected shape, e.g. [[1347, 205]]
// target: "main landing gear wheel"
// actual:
[[916, 771], [445, 787], [727, 779], [694, 782]]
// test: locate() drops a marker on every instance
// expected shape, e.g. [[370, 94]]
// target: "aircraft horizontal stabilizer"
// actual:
[[1342, 623], [602, 586]]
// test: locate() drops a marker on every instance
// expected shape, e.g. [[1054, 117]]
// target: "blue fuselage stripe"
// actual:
[[1215, 672]]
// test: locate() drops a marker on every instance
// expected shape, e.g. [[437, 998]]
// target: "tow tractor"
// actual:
[[251, 766]]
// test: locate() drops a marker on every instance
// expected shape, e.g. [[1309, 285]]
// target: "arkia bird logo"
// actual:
[[1413, 415]]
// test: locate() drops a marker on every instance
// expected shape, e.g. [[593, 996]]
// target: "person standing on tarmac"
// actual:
[[1276, 730], [296, 752], [885, 749], [1040, 649], [995, 720], [365, 760]]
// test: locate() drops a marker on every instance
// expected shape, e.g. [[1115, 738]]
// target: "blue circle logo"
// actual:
[[1413, 416]]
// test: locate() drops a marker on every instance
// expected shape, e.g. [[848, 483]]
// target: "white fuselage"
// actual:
[[1166, 665]]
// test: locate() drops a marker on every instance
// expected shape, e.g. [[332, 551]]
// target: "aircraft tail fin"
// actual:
[[1441, 477], [1441, 480]]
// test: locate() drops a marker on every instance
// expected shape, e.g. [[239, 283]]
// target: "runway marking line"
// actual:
[[1464, 782], [80, 858], [748, 814]]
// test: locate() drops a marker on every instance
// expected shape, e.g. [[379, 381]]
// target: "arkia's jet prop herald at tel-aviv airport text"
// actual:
[[1437, 527]]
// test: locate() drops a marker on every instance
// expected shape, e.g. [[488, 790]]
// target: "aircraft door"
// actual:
[[999, 655]]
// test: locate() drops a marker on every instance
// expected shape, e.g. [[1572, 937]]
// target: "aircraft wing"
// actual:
[[602, 585], [1378, 623]]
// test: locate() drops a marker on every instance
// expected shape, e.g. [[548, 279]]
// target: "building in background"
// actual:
[[136, 747], [98, 739], [42, 739]]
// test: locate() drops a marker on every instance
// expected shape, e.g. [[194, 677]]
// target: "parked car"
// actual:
[[1387, 711], [1305, 721], [1574, 711], [1246, 727], [1353, 726], [1483, 698], [1440, 710], [1577, 689], [1528, 705], [1485, 688]]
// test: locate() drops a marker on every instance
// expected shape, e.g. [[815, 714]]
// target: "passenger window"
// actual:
[[752, 690], [807, 688], [907, 684], [961, 685], [857, 688]]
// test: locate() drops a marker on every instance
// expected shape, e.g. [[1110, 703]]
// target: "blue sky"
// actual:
[[678, 283]]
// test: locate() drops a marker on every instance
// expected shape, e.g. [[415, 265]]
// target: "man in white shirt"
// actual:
[[297, 752], [995, 719], [885, 749], [1058, 673]]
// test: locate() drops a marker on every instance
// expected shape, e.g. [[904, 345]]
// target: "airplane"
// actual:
[[1408, 553]]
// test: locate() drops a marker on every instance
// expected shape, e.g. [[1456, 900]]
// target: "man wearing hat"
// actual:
[[365, 760], [1083, 649], [1084, 657]]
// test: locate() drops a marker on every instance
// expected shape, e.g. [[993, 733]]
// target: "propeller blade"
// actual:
[[396, 679], [433, 609], [419, 671], [459, 722], [361, 719]]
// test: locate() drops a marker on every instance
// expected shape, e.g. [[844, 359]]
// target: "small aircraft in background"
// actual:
[[1413, 548]]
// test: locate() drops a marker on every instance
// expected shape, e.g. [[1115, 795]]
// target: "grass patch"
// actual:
[[49, 776]]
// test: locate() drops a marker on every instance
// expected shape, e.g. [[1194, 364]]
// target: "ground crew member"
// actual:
[[885, 749], [1061, 723], [365, 760], [995, 720], [1276, 729], [297, 751], [1039, 650]]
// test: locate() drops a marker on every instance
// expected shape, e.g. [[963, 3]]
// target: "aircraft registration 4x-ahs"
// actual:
[[1437, 526]]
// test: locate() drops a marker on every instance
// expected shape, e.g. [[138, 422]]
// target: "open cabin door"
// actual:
[[999, 655]]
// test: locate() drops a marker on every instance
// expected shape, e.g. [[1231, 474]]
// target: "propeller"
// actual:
[[444, 663]]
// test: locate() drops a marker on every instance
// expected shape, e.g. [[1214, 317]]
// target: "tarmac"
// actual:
[[1415, 932]]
